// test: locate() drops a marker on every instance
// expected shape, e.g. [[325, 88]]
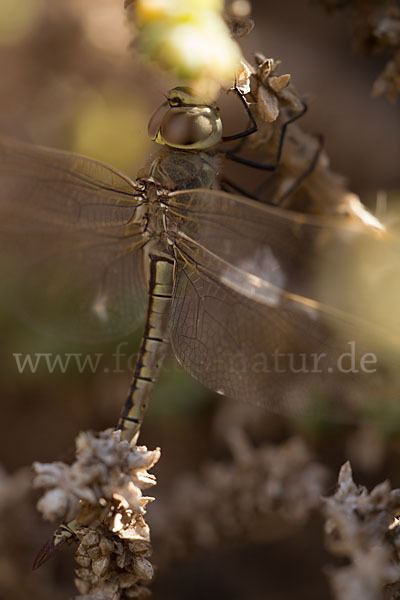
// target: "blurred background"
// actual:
[[70, 80]]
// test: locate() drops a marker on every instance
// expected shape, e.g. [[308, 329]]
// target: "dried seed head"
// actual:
[[103, 488], [278, 83], [268, 105]]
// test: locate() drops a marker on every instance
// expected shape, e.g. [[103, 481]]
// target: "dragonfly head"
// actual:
[[186, 122]]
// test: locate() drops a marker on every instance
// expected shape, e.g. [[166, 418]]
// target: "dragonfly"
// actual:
[[223, 279]]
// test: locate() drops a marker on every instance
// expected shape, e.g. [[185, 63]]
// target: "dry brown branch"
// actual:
[[376, 29], [274, 100], [263, 493]]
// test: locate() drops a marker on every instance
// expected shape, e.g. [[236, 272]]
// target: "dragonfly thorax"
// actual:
[[175, 169], [184, 122]]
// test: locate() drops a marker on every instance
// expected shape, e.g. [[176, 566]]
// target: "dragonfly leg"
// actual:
[[253, 125], [274, 165], [153, 347], [227, 185], [305, 174]]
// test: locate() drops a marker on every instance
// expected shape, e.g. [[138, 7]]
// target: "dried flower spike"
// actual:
[[358, 527], [189, 39], [103, 492]]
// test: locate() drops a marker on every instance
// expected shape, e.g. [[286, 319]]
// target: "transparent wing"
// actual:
[[70, 246], [249, 315]]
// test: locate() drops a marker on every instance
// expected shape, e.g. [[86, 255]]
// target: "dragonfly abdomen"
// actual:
[[153, 347]]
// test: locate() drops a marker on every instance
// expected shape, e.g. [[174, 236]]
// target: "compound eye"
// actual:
[[182, 96], [185, 127], [175, 102], [156, 120]]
